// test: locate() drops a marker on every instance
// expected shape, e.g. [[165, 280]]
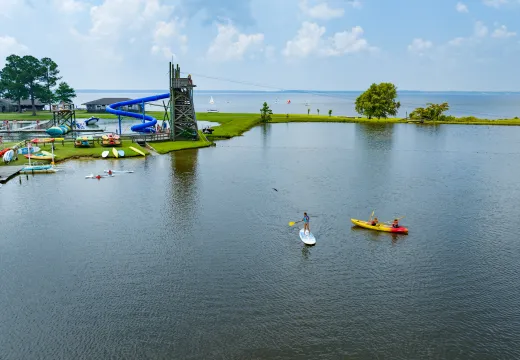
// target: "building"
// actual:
[[98, 106], [7, 105]]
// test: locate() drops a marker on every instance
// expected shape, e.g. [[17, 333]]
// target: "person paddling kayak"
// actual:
[[395, 224], [306, 223]]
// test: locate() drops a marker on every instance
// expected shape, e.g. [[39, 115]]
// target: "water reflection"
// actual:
[[375, 136], [184, 186]]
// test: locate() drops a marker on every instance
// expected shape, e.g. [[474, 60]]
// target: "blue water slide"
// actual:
[[146, 127]]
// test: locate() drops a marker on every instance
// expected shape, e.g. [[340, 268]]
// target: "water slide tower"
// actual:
[[183, 122]]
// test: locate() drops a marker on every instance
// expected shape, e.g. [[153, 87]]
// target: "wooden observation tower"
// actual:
[[183, 123]]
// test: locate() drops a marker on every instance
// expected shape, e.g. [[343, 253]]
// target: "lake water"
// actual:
[[483, 105], [191, 257]]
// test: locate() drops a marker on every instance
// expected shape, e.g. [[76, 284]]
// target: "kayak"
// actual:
[[380, 227], [38, 156], [104, 154], [137, 151], [307, 239], [114, 151]]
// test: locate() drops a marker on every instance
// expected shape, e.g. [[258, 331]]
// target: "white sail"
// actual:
[[211, 100]]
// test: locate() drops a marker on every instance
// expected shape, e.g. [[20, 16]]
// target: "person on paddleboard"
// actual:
[[306, 223]]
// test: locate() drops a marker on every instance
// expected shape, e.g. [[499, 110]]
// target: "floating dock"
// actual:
[[8, 172]]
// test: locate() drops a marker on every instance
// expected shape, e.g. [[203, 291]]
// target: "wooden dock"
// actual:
[[8, 172]]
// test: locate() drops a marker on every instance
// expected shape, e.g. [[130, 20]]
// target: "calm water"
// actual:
[[190, 257], [483, 105]]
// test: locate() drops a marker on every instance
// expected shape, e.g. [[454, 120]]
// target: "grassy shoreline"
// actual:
[[230, 125]]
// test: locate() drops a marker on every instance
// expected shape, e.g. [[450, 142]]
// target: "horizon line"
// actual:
[[298, 90]]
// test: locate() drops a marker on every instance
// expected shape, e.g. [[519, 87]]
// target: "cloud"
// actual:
[[309, 41], [230, 44], [166, 33], [494, 3], [502, 32], [420, 46], [149, 22], [8, 46], [355, 3], [69, 6], [462, 8], [321, 11], [238, 11], [480, 30]]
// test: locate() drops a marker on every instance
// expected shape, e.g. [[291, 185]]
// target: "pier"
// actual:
[[8, 172]]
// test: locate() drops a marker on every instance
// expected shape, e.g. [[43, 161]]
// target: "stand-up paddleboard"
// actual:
[[307, 239], [137, 150], [104, 154], [120, 171], [114, 151]]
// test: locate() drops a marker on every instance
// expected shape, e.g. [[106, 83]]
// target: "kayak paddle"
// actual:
[[388, 222], [292, 223]]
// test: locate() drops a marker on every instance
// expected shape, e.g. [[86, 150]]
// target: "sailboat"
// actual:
[[38, 169], [211, 101]]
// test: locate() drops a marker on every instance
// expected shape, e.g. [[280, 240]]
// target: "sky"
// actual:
[[429, 45]]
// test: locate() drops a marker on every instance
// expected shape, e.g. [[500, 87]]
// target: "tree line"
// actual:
[[26, 77]]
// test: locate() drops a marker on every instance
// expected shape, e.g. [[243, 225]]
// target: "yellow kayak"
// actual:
[[380, 227], [114, 151], [137, 150]]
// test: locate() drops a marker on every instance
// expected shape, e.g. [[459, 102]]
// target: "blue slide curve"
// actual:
[[146, 127]]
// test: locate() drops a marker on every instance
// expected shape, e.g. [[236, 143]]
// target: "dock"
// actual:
[[44, 130], [8, 172]]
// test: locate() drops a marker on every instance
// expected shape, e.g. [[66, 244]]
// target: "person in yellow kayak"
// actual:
[[374, 222], [395, 224]]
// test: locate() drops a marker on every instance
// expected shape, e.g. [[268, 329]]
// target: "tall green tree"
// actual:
[[33, 71], [378, 101], [318, 110], [49, 79], [12, 85], [330, 112], [64, 93], [265, 113]]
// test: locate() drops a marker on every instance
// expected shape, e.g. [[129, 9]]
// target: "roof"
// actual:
[[105, 101]]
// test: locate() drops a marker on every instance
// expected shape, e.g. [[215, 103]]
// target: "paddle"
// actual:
[[388, 222], [292, 223]]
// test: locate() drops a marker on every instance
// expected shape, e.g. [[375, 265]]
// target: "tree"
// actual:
[[432, 112], [33, 71], [49, 79], [64, 93], [330, 112], [308, 111], [11, 82], [265, 113], [318, 110], [378, 101]]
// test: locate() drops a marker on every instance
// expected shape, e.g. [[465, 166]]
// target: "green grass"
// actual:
[[68, 151], [231, 124], [164, 147]]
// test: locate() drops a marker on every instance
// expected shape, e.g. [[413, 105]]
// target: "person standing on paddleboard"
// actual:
[[306, 223]]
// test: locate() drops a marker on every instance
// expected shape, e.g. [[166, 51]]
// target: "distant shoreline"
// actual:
[[152, 91]]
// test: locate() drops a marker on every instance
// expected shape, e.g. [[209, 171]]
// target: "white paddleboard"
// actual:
[[307, 239], [104, 154]]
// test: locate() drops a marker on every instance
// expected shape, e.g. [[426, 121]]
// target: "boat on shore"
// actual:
[[91, 120]]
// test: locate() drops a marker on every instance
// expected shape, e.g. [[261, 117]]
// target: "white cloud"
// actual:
[[480, 30], [321, 11], [167, 33], [462, 8], [502, 32], [70, 6], [309, 41], [8, 46], [457, 41], [230, 44], [8, 7], [355, 3], [419, 46], [494, 3]]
